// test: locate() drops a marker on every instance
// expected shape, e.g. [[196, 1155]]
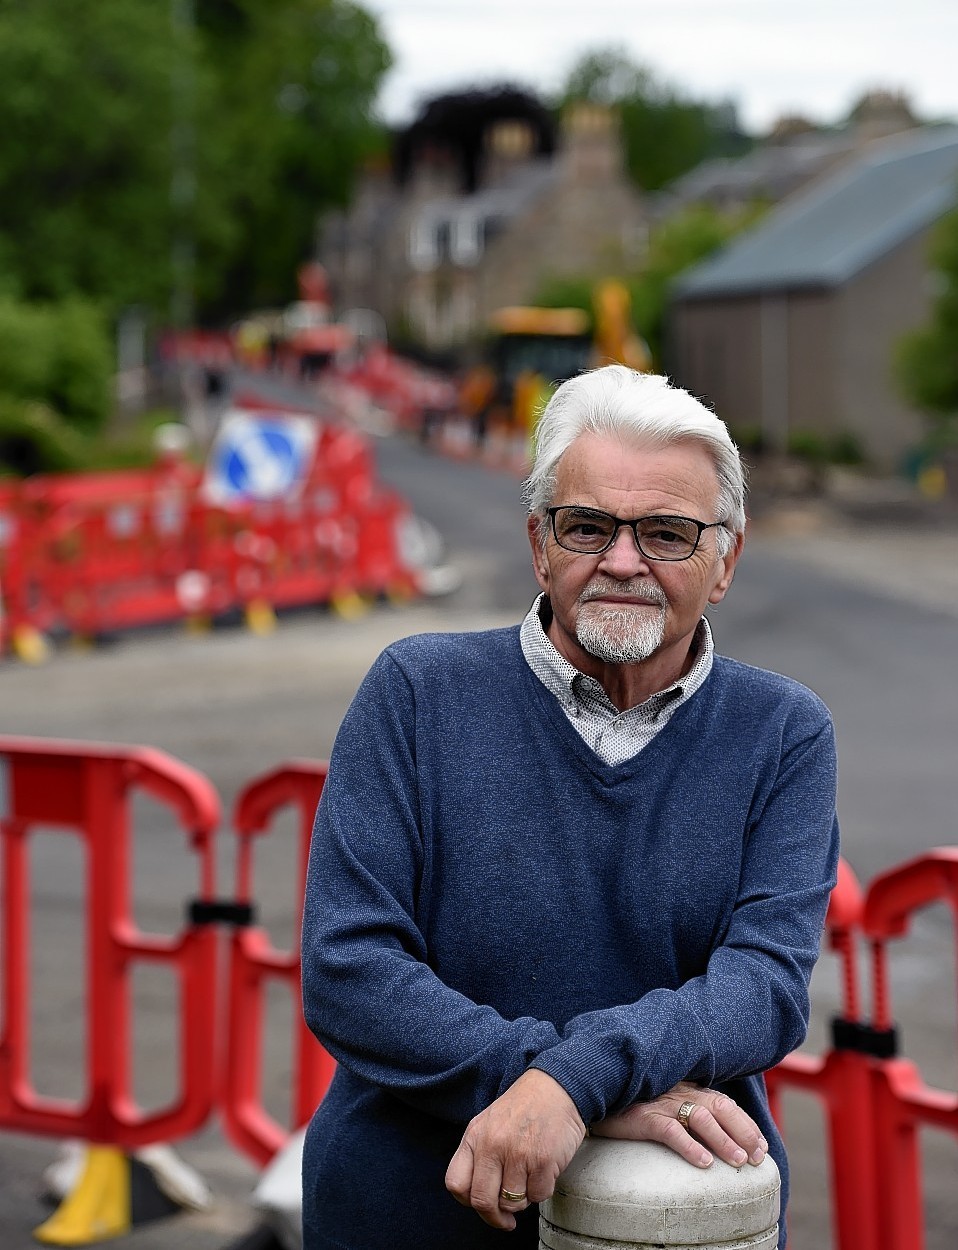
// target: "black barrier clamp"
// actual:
[[221, 911], [864, 1038]]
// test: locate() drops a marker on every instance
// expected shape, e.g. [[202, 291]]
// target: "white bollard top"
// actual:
[[642, 1192]]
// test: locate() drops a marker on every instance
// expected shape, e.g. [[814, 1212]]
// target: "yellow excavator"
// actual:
[[533, 349]]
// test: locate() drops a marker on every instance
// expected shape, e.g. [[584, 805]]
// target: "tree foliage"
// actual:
[[666, 133], [128, 124], [459, 122], [295, 83], [928, 358], [59, 354], [56, 370], [675, 245]]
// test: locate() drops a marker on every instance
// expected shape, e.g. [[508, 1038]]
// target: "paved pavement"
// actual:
[[880, 534]]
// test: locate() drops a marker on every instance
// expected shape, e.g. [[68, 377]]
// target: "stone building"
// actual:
[[435, 260]]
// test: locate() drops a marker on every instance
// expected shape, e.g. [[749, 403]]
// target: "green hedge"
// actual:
[[56, 376], [35, 439], [60, 355]]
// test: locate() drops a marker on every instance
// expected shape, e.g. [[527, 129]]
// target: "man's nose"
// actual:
[[623, 558]]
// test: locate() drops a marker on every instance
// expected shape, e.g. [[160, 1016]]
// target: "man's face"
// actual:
[[619, 607]]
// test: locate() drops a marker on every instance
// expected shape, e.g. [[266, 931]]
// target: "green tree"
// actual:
[[927, 362], [125, 129], [56, 367], [676, 244], [295, 86], [666, 133], [84, 166]]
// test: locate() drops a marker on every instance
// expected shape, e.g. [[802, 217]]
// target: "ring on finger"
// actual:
[[510, 1195], [683, 1113]]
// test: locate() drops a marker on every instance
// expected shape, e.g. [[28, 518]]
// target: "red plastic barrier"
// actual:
[[254, 962], [316, 550], [402, 387], [840, 1080], [875, 1103], [85, 790], [96, 552], [206, 347], [91, 554], [901, 1100], [11, 557]]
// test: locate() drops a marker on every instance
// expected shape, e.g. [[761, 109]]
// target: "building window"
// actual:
[[466, 243], [423, 250]]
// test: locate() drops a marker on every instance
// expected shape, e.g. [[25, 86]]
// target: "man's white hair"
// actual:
[[641, 408]]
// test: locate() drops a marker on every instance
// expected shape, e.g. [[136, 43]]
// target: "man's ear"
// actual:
[[728, 563]]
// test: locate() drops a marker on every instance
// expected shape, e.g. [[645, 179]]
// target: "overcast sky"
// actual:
[[814, 57]]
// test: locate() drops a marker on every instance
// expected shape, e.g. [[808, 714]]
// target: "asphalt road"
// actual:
[[866, 615]]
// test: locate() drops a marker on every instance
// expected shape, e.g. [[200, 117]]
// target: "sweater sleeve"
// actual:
[[369, 993], [750, 1007]]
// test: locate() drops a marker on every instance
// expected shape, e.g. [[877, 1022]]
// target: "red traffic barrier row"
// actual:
[[91, 554], [875, 1101], [409, 392]]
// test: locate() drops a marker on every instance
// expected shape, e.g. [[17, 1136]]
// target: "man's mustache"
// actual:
[[639, 588]]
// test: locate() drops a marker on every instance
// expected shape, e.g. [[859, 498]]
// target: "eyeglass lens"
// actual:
[[661, 537]]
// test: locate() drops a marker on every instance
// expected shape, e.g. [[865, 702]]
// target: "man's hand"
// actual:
[[518, 1145], [717, 1122]]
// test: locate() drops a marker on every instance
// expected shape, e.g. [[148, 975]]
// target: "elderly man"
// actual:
[[569, 876]]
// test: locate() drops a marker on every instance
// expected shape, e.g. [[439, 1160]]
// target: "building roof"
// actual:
[[825, 235], [770, 172]]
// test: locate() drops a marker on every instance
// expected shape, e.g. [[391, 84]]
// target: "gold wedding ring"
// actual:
[[683, 1113], [507, 1195]]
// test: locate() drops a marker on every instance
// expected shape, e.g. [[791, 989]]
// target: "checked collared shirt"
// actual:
[[613, 735]]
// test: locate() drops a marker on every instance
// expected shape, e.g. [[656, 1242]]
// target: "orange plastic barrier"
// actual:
[[86, 791], [254, 961]]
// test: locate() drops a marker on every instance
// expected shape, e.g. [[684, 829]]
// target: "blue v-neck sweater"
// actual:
[[485, 894]]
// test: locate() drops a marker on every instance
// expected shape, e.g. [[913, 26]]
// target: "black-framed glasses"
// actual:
[[589, 532]]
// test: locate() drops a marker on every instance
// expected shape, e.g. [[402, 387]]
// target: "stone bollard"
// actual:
[[640, 1195]]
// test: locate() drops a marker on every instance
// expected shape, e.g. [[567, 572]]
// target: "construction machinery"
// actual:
[[532, 349]]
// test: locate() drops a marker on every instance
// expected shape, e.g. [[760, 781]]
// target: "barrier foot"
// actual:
[[115, 1192], [260, 618], [350, 605], [29, 645], [400, 594]]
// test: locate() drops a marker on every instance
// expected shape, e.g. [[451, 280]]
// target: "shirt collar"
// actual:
[[566, 682]]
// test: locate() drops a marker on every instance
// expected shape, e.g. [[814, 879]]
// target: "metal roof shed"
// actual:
[[794, 325]]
